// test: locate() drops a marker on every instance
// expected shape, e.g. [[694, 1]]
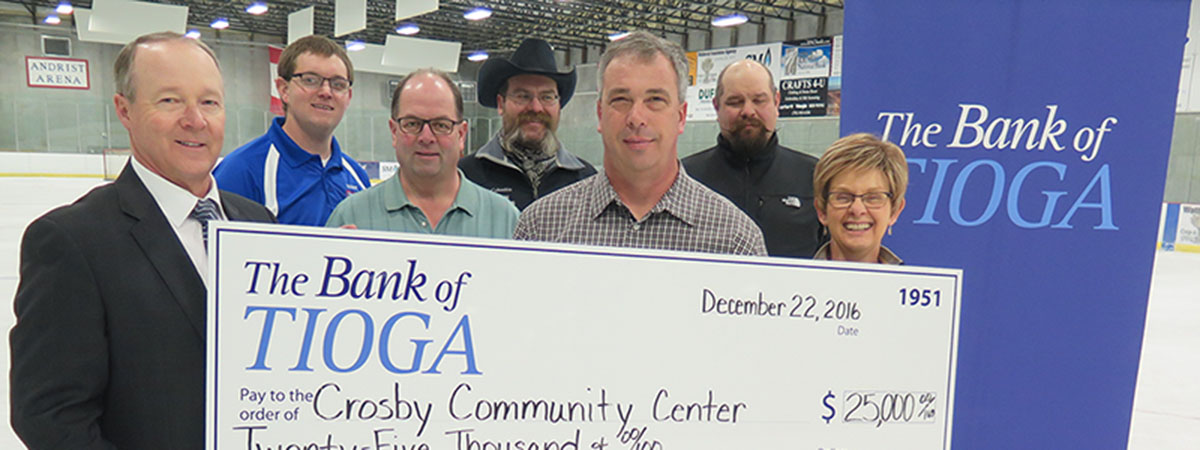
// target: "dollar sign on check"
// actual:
[[829, 396]]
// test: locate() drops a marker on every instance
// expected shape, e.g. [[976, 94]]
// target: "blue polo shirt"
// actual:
[[289, 181]]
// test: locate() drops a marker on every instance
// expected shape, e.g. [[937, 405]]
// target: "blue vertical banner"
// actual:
[[1037, 134]]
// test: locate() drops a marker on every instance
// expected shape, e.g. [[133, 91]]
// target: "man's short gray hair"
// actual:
[[644, 46], [123, 67]]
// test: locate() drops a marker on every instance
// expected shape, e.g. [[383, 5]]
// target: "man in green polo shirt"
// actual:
[[428, 194]]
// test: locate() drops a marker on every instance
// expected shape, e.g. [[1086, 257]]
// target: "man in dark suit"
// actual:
[[108, 349]]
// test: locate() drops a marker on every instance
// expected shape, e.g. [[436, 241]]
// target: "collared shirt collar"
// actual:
[[885, 255], [295, 156], [676, 201], [494, 152], [395, 199], [175, 202]]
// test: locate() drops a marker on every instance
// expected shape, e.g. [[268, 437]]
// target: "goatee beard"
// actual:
[[515, 140], [742, 142]]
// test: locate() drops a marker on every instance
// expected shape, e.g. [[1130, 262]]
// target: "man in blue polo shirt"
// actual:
[[297, 170]]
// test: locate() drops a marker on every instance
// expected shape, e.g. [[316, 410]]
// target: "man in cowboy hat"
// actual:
[[525, 160]]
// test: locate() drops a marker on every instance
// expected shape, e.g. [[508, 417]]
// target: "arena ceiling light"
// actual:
[[355, 45], [52, 19], [64, 8], [729, 20], [618, 36], [257, 8], [192, 34], [408, 29], [479, 13], [477, 56], [220, 24]]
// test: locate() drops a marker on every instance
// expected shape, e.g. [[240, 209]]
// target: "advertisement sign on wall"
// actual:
[[708, 66], [1180, 227], [805, 84], [808, 73], [57, 73]]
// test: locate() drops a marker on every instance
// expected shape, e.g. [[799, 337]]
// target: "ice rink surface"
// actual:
[[1166, 413]]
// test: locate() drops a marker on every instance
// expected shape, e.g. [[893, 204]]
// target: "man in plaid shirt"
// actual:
[[643, 198]]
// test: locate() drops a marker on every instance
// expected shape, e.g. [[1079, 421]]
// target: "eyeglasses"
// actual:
[[873, 200], [313, 81], [522, 98], [414, 125]]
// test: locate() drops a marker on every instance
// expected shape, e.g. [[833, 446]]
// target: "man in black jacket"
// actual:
[[108, 349], [771, 183], [525, 160]]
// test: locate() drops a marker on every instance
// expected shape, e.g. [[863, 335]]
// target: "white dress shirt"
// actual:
[[176, 204]]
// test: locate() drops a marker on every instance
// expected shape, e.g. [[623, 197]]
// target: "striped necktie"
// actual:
[[205, 210]]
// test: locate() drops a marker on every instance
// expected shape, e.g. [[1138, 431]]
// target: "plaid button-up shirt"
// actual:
[[689, 217]]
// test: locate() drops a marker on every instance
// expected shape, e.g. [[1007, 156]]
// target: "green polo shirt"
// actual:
[[475, 212]]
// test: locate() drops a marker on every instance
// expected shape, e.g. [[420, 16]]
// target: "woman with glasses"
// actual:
[[859, 185]]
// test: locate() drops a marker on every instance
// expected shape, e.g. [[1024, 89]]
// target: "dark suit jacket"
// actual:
[[108, 349]]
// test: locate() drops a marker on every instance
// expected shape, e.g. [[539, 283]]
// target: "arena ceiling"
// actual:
[[574, 24]]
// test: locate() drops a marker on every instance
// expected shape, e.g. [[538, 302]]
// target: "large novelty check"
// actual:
[[337, 339]]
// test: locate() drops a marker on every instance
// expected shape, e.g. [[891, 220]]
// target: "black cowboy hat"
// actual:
[[534, 56]]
